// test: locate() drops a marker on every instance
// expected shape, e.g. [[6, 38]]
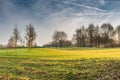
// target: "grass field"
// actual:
[[60, 64]]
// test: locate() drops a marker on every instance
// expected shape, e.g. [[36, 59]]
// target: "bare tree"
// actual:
[[74, 40], [11, 43], [84, 34], [30, 35], [108, 29], [22, 42], [118, 33], [80, 36], [91, 31], [62, 38], [59, 37], [108, 32], [56, 38], [16, 35], [97, 38]]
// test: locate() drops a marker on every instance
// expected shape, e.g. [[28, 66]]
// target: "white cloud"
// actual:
[[102, 2], [107, 18], [84, 6]]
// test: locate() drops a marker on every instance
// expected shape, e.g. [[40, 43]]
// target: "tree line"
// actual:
[[91, 36]]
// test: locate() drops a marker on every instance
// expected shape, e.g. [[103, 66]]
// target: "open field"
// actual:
[[60, 64]]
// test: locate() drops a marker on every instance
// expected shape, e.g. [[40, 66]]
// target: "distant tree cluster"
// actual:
[[59, 39], [30, 37], [92, 36]]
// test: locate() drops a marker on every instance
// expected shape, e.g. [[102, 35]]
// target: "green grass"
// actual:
[[60, 64]]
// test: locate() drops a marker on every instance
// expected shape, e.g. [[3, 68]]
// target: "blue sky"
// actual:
[[50, 15]]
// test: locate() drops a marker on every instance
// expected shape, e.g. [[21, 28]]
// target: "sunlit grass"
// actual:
[[60, 64]]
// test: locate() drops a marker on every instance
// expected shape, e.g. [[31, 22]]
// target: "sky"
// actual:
[[50, 15]]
